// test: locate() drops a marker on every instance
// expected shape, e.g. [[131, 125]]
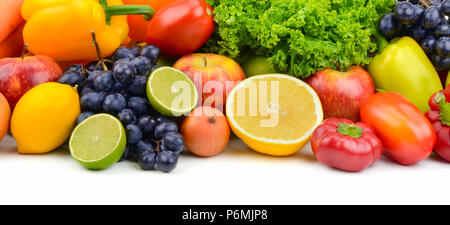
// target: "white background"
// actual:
[[236, 176]]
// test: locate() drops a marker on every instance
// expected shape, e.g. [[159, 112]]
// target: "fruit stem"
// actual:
[[24, 51], [205, 62], [444, 106], [158, 144], [212, 119], [99, 53], [423, 3], [146, 11], [337, 65], [350, 130]]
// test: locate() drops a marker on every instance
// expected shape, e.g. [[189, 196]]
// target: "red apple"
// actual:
[[342, 93], [18, 75], [213, 75]]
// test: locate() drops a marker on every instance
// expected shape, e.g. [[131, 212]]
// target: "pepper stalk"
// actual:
[[119, 10], [444, 106], [350, 130]]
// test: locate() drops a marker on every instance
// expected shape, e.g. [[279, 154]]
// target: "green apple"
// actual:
[[257, 65]]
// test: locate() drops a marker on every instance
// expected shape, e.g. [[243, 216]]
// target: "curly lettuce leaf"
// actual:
[[299, 37]]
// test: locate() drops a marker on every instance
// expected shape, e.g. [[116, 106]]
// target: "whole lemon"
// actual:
[[44, 117]]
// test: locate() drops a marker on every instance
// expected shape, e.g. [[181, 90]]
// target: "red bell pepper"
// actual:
[[181, 27], [407, 135], [346, 145], [439, 116]]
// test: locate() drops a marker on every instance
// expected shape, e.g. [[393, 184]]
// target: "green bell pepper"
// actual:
[[403, 67]]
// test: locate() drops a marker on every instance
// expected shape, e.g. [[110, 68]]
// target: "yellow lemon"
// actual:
[[44, 117], [274, 114]]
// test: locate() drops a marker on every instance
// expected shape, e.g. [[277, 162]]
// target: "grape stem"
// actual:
[[158, 143], [99, 53], [424, 3]]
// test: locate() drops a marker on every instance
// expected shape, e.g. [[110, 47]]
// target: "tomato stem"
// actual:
[[350, 130]]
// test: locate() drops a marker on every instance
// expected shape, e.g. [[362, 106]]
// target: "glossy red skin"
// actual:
[[345, 152], [442, 147], [342, 93], [211, 67], [181, 27], [407, 135], [432, 103], [18, 75], [137, 24]]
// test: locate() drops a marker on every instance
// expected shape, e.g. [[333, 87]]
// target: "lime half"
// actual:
[[171, 92], [98, 142]]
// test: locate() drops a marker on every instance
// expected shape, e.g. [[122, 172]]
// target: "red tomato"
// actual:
[[181, 27], [138, 25], [407, 135]]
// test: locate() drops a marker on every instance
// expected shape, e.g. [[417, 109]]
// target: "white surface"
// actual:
[[236, 176]]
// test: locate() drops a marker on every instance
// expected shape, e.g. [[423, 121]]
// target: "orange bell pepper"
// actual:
[[62, 29]]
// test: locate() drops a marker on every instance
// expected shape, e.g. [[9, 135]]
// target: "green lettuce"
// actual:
[[299, 37]]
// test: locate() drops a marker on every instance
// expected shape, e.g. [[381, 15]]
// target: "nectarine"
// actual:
[[205, 131]]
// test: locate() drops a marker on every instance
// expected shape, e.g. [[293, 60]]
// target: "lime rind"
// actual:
[[162, 107], [110, 157]]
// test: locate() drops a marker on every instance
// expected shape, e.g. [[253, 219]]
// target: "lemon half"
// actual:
[[274, 114]]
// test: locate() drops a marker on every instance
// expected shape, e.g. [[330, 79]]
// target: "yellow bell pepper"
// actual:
[[61, 29], [403, 67]]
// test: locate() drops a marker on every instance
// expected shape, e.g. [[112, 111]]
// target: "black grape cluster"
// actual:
[[425, 21], [117, 86]]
